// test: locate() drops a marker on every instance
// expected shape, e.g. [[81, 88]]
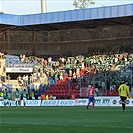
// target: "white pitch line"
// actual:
[[89, 125]]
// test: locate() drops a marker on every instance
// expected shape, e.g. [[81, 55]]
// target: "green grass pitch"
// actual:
[[66, 120]]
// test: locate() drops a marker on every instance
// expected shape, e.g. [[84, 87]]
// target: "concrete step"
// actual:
[[14, 83], [3, 63]]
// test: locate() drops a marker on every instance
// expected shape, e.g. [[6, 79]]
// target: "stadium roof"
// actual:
[[83, 18]]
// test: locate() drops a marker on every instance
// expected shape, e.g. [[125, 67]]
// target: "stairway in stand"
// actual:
[[2, 65]]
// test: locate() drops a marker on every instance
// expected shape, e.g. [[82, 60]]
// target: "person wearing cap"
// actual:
[[124, 94]]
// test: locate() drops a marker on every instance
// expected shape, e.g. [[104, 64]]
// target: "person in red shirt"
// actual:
[[72, 96], [50, 97], [43, 97], [91, 93]]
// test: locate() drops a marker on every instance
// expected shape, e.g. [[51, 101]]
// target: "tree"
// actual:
[[81, 4]]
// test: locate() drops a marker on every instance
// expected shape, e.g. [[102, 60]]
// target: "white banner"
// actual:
[[19, 70], [13, 103], [116, 102], [105, 101], [66, 102], [99, 101], [81, 102], [32, 103], [1, 103], [130, 102], [49, 103]]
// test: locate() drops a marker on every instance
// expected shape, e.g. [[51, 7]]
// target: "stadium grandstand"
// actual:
[[62, 53]]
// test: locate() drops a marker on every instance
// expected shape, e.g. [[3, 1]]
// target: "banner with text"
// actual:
[[32, 103], [19, 70], [49, 103], [81, 102], [117, 102], [99, 101], [13, 103], [66, 102]]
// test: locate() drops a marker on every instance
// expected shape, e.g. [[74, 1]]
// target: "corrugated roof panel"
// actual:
[[93, 13], [74, 15], [68, 16], [56, 17], [61, 16], [100, 13], [129, 9], [9, 19], [114, 11], [108, 12], [87, 14], [122, 10], [50, 17], [80, 15], [43, 18]]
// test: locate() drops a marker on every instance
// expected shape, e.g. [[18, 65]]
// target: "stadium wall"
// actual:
[[99, 101], [74, 41], [64, 48]]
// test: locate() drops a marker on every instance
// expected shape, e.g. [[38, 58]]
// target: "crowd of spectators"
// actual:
[[106, 70]]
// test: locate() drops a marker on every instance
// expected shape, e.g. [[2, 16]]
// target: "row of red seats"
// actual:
[[111, 93], [62, 90]]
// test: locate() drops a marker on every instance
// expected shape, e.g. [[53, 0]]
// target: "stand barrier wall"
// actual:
[[99, 101]]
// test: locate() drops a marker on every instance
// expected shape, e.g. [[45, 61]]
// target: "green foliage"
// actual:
[[83, 3], [66, 120]]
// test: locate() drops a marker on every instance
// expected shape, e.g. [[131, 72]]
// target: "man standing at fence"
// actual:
[[17, 97], [9, 96], [124, 94], [24, 96], [91, 93], [5, 97]]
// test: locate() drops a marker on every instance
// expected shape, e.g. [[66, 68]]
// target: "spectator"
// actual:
[[47, 97], [19, 78]]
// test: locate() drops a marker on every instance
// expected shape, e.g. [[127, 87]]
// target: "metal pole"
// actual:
[[132, 78], [43, 6]]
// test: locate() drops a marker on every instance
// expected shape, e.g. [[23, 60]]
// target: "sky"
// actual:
[[21, 7]]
